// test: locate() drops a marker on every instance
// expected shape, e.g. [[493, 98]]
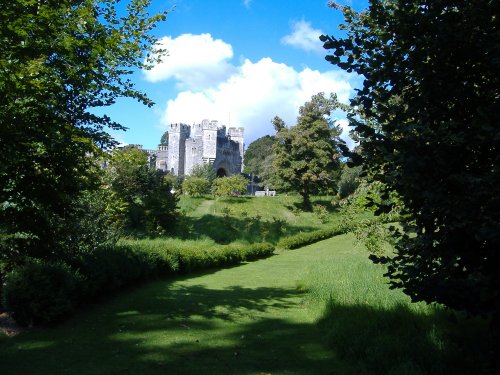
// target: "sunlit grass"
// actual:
[[321, 309], [250, 219], [379, 329]]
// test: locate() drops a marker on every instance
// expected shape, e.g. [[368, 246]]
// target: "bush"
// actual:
[[196, 259], [196, 186], [349, 181], [257, 251], [41, 292], [230, 186], [303, 239]]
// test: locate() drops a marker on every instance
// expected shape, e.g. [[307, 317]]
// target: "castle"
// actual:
[[203, 143]]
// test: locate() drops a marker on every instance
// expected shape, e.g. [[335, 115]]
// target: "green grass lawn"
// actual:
[[250, 219], [323, 309]]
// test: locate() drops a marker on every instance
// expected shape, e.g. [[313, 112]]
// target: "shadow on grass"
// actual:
[[224, 230], [237, 200], [167, 328], [177, 329], [328, 204], [399, 341]]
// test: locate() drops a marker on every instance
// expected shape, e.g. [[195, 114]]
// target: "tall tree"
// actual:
[[307, 155], [256, 154], [142, 198], [428, 123], [58, 61]]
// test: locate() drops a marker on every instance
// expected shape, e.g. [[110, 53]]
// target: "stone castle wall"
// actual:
[[203, 143]]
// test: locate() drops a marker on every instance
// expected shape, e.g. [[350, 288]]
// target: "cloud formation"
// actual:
[[248, 95], [304, 37], [194, 61], [254, 95]]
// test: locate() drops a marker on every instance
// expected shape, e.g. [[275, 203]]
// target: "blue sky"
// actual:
[[240, 62]]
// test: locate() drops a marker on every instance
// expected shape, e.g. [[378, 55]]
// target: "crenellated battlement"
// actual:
[[205, 142]]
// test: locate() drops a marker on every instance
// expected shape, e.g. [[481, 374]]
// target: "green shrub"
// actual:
[[321, 213], [349, 181], [303, 239], [41, 292], [257, 251], [113, 267], [196, 186], [230, 186]]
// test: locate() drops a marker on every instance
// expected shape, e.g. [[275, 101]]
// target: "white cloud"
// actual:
[[195, 61], [344, 124], [247, 3], [304, 37], [254, 94]]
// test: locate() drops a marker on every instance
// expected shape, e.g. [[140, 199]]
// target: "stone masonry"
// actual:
[[203, 143]]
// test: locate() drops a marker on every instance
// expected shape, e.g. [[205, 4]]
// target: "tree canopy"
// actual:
[[230, 186], [59, 60], [256, 153], [164, 139], [306, 155], [142, 198], [428, 122]]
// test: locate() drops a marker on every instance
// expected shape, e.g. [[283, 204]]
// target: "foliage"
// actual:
[[230, 186], [59, 61], [349, 180], [206, 171], [303, 239], [142, 198], [256, 153], [164, 139], [372, 233], [306, 155], [428, 126], [41, 292], [321, 212], [196, 186]]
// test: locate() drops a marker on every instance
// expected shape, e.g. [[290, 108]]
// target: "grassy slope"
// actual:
[[245, 219], [319, 310]]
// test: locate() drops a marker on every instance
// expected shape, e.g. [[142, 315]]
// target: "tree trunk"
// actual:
[[306, 200]]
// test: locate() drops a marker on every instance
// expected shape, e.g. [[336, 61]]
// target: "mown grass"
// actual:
[[380, 331], [322, 309]]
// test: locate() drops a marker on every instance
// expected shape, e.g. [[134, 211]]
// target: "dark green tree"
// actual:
[[59, 60], [349, 181], [307, 155], [164, 139], [142, 198], [428, 122], [256, 154]]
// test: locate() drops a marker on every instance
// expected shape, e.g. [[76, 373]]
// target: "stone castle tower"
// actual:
[[203, 143]]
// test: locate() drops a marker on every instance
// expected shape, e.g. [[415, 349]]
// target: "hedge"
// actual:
[[45, 292], [303, 239]]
